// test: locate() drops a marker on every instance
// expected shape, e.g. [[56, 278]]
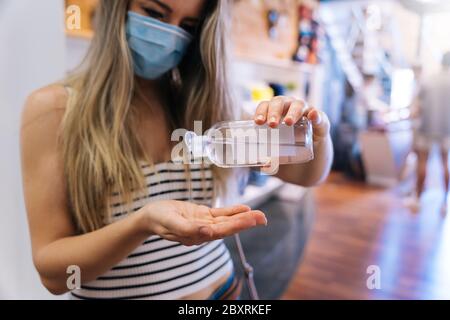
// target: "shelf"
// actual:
[[278, 63]]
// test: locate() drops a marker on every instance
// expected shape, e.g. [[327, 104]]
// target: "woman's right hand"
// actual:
[[192, 224]]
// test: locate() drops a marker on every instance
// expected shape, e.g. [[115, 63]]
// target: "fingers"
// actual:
[[295, 113], [277, 109], [272, 112], [293, 110], [206, 224], [320, 122], [261, 113], [315, 116], [227, 227], [235, 224], [229, 211]]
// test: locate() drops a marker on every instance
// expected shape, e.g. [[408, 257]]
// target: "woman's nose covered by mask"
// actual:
[[157, 47]]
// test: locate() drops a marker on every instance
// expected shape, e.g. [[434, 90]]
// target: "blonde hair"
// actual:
[[101, 152]]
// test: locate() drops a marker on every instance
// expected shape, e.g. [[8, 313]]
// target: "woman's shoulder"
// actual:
[[45, 104]]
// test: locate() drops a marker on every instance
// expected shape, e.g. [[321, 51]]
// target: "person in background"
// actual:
[[417, 69], [432, 111]]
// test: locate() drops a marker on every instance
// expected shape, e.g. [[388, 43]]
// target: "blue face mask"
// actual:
[[157, 47]]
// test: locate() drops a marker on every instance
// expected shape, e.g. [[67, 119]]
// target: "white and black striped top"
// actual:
[[160, 269]]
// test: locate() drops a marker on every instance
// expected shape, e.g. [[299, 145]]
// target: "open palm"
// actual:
[[192, 224]]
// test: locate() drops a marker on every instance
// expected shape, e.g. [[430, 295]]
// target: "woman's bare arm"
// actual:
[[55, 242], [56, 246]]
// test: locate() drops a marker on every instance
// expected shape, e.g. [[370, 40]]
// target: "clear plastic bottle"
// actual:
[[246, 144]]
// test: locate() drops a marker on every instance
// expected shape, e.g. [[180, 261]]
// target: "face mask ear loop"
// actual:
[[248, 269]]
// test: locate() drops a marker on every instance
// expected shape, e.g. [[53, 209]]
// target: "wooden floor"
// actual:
[[358, 226]]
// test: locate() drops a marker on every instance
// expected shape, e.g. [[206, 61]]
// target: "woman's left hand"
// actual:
[[290, 111]]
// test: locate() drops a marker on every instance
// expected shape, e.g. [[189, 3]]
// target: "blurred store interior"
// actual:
[[359, 61]]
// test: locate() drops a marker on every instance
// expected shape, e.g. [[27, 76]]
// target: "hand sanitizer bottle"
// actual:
[[246, 144]]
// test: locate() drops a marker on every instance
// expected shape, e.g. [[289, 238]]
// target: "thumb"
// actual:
[[320, 123]]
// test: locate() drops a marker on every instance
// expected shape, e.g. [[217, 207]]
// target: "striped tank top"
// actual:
[[160, 269]]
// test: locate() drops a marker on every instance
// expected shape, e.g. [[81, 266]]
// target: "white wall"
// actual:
[[32, 54], [76, 49], [435, 41]]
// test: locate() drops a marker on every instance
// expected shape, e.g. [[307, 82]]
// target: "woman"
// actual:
[[101, 192]]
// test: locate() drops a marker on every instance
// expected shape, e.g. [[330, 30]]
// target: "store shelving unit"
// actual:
[[301, 76]]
